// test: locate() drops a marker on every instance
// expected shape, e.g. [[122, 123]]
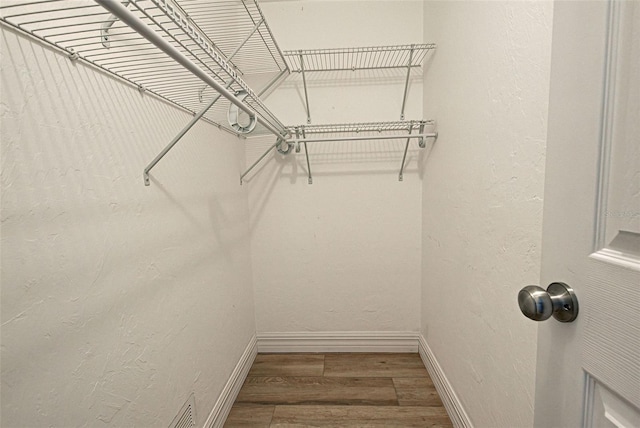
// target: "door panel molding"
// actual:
[[612, 333], [613, 242], [605, 409]]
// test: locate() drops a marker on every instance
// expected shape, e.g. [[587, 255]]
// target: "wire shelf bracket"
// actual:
[[104, 28]]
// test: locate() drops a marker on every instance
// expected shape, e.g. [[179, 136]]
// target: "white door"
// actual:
[[588, 371]]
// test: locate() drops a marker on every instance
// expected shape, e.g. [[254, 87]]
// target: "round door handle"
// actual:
[[558, 300]]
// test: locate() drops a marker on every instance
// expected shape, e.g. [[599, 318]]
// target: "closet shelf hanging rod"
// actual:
[[144, 30]]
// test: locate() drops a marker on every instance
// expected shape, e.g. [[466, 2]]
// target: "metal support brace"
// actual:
[[304, 83], [404, 157], [306, 153], [406, 83], [177, 138], [193, 122], [259, 159], [246, 39]]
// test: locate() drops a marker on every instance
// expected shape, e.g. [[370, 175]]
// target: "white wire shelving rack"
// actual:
[[198, 54], [165, 48], [361, 58], [302, 135]]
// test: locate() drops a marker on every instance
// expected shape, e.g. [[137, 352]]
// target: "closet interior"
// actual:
[[359, 227]]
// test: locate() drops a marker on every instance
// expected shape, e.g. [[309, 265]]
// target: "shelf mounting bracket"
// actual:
[[404, 157], [306, 154], [105, 38]]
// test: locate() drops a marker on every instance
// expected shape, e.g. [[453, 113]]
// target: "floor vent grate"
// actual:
[[186, 417]]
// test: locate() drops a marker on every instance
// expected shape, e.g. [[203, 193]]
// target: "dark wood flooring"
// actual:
[[285, 390]]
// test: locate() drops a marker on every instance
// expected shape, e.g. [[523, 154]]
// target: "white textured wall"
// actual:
[[118, 300], [482, 199], [342, 254]]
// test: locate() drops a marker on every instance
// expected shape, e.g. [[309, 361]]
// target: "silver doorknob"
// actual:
[[558, 300]]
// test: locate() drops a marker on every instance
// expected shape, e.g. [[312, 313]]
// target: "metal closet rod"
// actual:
[[117, 9]]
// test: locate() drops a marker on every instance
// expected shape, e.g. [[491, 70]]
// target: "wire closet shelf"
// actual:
[[419, 130], [407, 57], [228, 40], [360, 58], [199, 54], [370, 129]]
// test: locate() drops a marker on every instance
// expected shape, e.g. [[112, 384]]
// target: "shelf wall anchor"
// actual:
[[105, 38]]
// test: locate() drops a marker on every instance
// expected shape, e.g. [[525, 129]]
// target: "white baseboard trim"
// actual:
[[451, 402], [338, 341], [229, 393]]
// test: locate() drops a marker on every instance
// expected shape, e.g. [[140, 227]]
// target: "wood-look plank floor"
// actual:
[[287, 390]]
